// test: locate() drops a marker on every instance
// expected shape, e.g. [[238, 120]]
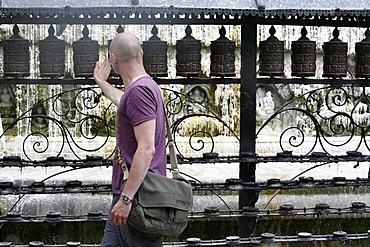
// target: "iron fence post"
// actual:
[[248, 117]]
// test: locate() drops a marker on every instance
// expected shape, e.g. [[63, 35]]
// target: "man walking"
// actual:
[[141, 135]]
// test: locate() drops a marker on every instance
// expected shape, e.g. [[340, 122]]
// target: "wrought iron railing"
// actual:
[[315, 118], [322, 121], [77, 119], [311, 127], [73, 115]]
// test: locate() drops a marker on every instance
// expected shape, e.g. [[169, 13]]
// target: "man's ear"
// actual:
[[113, 58]]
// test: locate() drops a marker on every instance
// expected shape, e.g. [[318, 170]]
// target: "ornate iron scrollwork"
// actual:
[[322, 120], [75, 127], [199, 128]]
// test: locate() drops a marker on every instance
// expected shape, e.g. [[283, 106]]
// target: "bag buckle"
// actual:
[[175, 172]]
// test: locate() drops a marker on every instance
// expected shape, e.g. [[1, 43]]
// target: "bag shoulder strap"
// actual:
[[171, 147]]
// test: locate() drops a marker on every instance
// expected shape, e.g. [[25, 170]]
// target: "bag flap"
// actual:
[[160, 191]]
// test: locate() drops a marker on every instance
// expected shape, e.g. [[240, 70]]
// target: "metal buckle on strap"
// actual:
[[122, 163], [118, 157]]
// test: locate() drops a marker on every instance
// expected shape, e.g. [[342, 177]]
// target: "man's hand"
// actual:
[[102, 71], [120, 212]]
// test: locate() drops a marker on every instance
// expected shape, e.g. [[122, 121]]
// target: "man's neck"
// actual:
[[127, 81]]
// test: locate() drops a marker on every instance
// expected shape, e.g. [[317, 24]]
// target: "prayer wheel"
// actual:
[[155, 55], [188, 55], [271, 58], [362, 58], [85, 55], [303, 56], [335, 57], [222, 56], [52, 55], [16, 55]]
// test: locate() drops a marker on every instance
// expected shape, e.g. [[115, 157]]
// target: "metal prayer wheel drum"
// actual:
[[303, 56], [271, 57], [335, 57], [222, 56], [52, 55], [188, 55], [16, 55], [362, 58], [85, 55], [155, 55]]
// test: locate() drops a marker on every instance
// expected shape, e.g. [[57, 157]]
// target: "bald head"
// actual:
[[126, 46]]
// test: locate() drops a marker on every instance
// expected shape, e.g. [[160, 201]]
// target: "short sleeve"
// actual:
[[141, 105]]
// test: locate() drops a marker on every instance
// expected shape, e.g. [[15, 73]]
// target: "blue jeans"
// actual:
[[126, 236]]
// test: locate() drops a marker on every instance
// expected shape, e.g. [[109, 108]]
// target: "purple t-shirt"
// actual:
[[142, 101]]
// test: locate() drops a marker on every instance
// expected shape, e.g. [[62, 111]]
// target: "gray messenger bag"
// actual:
[[161, 205]]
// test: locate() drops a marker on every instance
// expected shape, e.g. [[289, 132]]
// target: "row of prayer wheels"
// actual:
[[335, 60], [188, 56], [86, 53]]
